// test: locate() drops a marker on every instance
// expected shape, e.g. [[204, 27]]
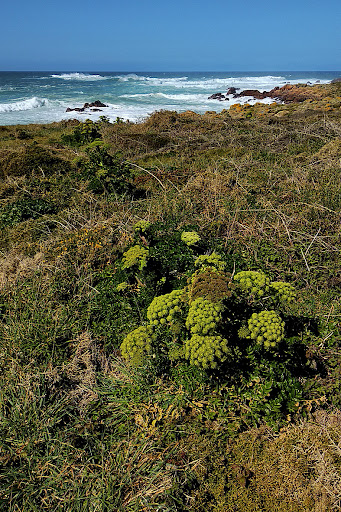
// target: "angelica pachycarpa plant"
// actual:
[[201, 320]]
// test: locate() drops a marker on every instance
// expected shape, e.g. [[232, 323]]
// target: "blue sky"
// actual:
[[173, 35]]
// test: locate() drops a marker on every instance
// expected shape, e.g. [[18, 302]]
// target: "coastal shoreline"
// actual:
[[28, 98]]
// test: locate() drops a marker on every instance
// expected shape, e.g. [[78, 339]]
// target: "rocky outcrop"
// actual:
[[287, 94], [95, 106]]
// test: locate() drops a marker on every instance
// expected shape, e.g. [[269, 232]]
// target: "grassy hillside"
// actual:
[[138, 370]]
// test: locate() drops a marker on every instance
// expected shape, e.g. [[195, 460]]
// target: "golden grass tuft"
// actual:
[[81, 370], [14, 267], [297, 470]]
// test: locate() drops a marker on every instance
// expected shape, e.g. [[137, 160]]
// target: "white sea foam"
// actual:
[[151, 80], [160, 95], [80, 76], [127, 78], [28, 104], [215, 84]]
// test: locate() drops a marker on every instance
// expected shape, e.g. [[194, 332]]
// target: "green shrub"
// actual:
[[233, 331], [84, 133], [24, 209], [106, 174], [33, 158]]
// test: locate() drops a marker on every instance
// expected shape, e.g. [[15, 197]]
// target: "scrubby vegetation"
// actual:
[[170, 312]]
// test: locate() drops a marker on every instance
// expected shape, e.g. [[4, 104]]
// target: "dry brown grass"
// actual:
[[297, 470], [81, 370], [14, 267]]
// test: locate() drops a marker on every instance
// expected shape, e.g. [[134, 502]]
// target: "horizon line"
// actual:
[[170, 71]]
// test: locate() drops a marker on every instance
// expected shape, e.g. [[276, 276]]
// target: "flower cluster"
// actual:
[[136, 255], [142, 226], [165, 308], [190, 237], [284, 291], [206, 351], [250, 281], [137, 344], [266, 328], [211, 260], [209, 283], [203, 316], [80, 241]]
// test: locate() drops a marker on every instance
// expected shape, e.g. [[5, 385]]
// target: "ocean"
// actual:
[[43, 97]]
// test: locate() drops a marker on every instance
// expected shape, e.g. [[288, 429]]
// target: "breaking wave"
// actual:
[[28, 104], [80, 76]]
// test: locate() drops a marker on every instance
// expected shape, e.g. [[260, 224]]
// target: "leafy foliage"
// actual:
[[83, 133], [224, 329], [24, 209], [106, 173]]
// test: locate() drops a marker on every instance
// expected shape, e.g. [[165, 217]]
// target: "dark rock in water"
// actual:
[[231, 90], [336, 80], [217, 96], [96, 110], [77, 109], [252, 92], [95, 104]]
